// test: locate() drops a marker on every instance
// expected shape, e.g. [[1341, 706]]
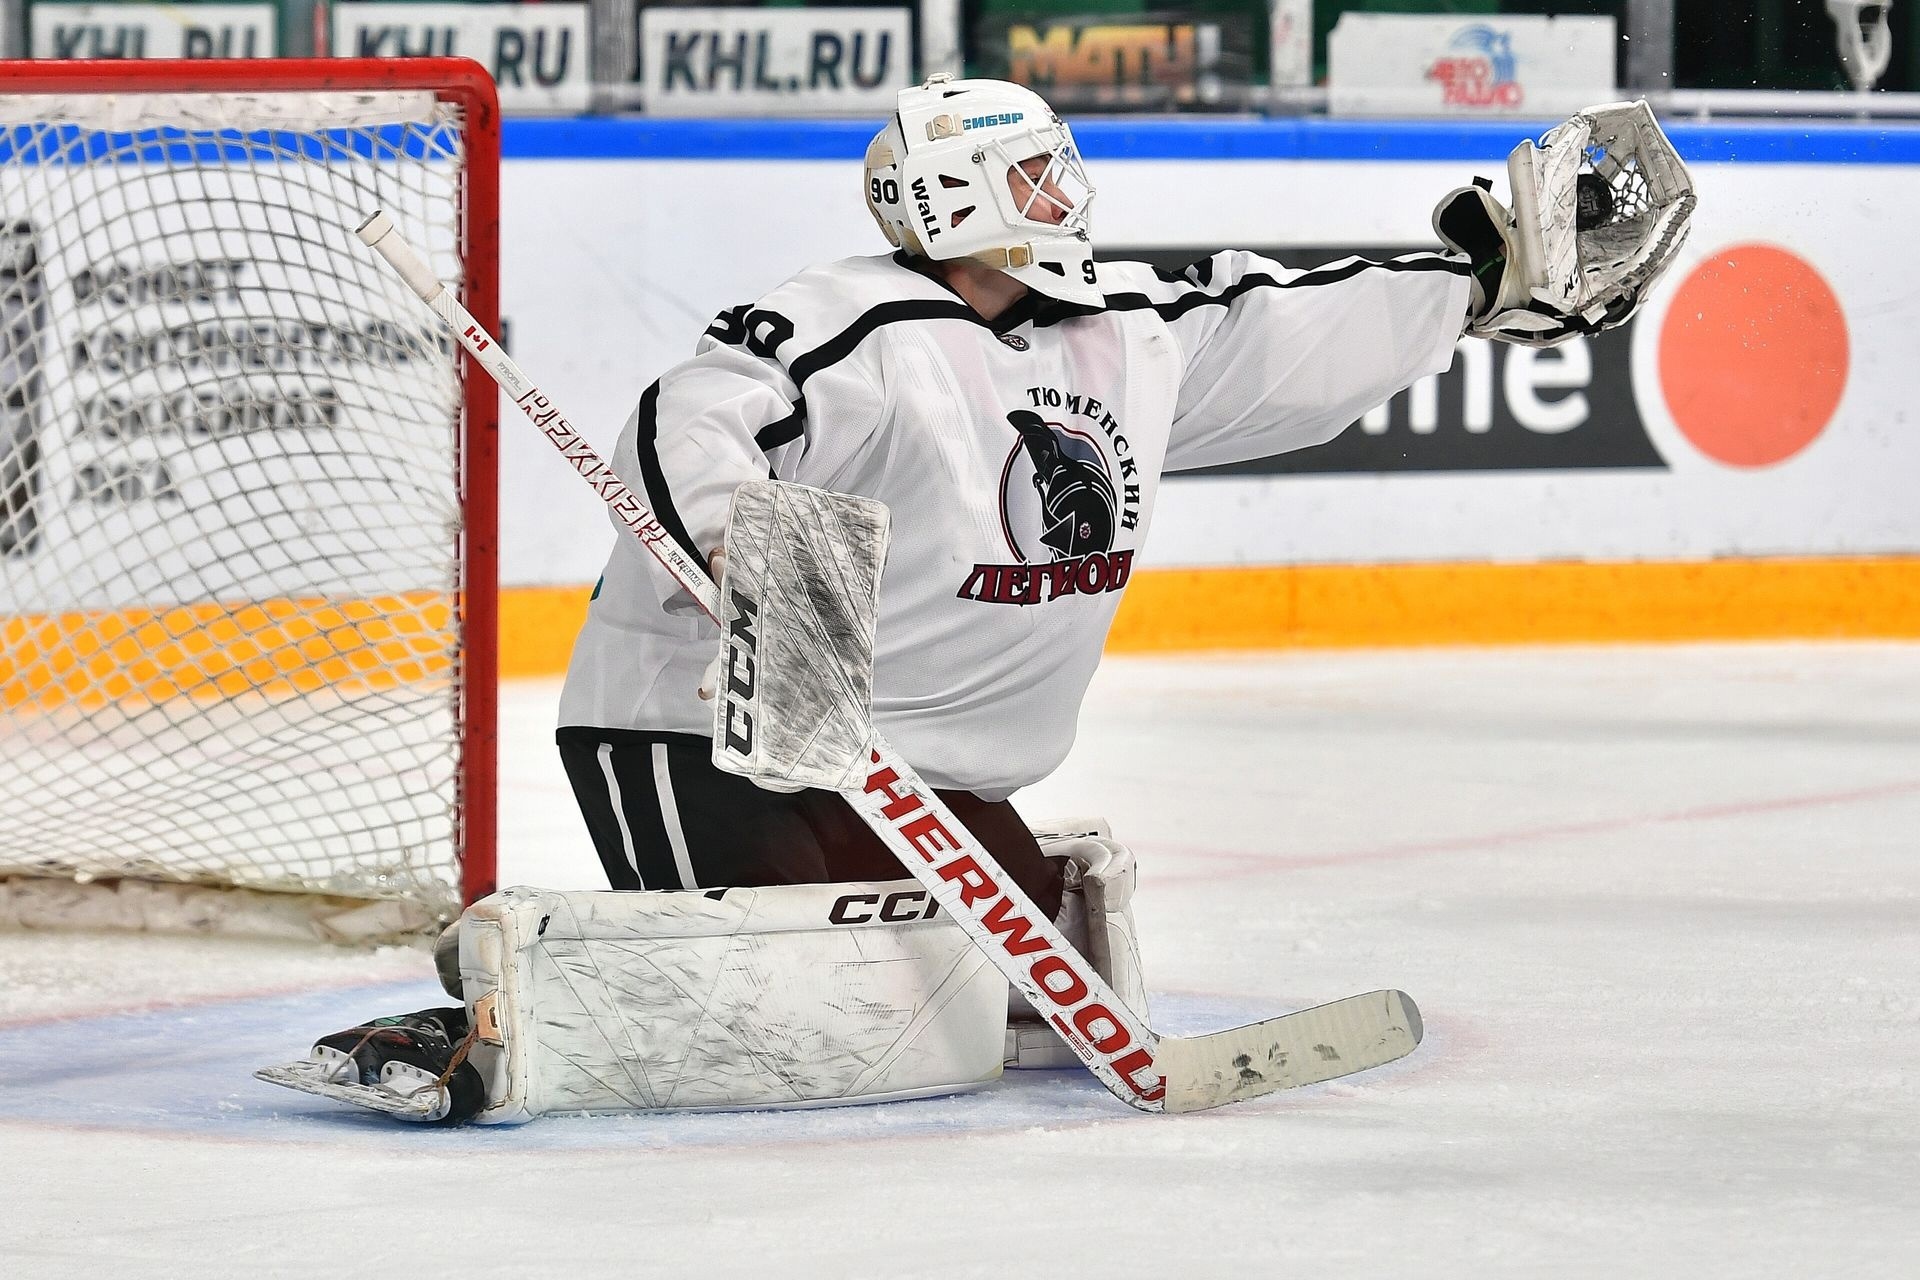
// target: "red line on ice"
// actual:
[[1246, 863]]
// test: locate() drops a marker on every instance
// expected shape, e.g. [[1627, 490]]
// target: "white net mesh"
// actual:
[[230, 501]]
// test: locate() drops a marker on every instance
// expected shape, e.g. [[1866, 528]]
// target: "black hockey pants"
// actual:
[[662, 817]]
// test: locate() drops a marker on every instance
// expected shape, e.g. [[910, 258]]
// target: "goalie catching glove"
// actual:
[[1600, 207]]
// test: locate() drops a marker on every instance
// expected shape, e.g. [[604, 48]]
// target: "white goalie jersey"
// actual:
[[1020, 459]]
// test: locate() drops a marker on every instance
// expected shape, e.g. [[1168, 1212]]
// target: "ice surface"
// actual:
[[1660, 907]]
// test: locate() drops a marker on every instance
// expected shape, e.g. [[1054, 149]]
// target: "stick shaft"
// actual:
[[920, 830], [379, 233]]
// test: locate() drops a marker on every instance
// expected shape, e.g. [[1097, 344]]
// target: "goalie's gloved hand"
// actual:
[[1601, 207], [1472, 222]]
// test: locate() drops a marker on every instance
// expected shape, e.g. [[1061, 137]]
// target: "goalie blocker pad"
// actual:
[[786, 996], [800, 599]]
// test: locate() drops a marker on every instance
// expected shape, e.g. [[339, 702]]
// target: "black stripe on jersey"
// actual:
[[1043, 311], [1246, 284], [759, 332], [659, 496], [786, 430], [843, 343]]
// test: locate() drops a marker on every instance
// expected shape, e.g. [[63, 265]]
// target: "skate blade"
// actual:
[[422, 1106]]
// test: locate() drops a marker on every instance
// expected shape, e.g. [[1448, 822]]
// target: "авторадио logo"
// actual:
[[1484, 75]]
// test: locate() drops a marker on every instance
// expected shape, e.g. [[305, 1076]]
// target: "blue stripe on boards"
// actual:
[[1223, 138], [1102, 138], [71, 144], [644, 138]]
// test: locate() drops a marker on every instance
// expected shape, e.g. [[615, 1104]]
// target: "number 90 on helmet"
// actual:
[[984, 169]]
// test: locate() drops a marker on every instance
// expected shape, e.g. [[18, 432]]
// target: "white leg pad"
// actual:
[[789, 996], [1096, 915]]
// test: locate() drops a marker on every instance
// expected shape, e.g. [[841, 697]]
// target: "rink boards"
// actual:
[[1728, 465]]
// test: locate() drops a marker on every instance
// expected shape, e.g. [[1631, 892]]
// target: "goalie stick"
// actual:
[[1150, 1072]]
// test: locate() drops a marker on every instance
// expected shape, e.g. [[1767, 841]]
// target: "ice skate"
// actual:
[[411, 1066]]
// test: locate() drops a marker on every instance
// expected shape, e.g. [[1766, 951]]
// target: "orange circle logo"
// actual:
[[1753, 355]]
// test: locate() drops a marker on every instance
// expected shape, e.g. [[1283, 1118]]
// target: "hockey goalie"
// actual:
[[985, 413]]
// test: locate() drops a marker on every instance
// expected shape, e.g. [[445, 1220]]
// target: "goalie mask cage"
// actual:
[[247, 497]]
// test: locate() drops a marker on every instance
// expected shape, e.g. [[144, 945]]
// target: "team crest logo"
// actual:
[[1068, 494], [1060, 509], [1015, 341]]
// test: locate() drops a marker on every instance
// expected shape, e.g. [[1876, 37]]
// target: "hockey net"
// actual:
[[246, 498]]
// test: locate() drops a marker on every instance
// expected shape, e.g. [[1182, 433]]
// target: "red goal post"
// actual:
[[248, 524]]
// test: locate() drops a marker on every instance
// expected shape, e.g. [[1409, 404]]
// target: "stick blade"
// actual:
[[1322, 1043]]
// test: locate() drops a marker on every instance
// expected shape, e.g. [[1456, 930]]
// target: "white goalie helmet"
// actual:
[[984, 169]]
